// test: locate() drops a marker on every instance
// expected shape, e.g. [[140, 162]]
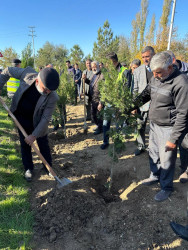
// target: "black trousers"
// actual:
[[96, 116], [26, 151], [183, 152]]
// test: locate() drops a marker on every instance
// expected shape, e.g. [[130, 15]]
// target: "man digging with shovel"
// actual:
[[33, 105]]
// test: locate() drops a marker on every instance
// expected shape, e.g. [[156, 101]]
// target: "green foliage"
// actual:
[[138, 29], [66, 93], [134, 36], [118, 100], [106, 43], [8, 55], [76, 54], [163, 32], [124, 50], [27, 59], [16, 219], [142, 23], [149, 38], [115, 93], [49, 53]]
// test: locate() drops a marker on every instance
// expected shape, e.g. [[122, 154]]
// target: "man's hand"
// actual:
[[99, 107], [169, 146], [84, 76], [134, 112], [76, 80], [30, 139]]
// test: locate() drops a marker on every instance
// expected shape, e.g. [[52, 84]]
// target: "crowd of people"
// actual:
[[160, 91]]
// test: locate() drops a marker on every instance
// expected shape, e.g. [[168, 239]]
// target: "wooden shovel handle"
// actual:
[[25, 135], [84, 101]]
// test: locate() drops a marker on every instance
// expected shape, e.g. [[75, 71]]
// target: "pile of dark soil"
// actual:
[[86, 215]]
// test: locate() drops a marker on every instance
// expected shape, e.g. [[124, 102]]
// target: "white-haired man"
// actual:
[[168, 92], [89, 74], [95, 96]]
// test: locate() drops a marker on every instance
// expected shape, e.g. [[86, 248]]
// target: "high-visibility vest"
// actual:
[[12, 85], [120, 75]]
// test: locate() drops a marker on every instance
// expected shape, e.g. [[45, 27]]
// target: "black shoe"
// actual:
[[162, 195], [98, 131], [180, 230], [138, 151], [104, 146], [55, 128], [88, 119]]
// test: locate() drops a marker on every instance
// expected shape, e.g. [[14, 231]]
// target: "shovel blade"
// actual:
[[63, 182]]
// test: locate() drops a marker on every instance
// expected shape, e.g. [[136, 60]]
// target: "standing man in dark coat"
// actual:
[[77, 80], [89, 74], [33, 105]]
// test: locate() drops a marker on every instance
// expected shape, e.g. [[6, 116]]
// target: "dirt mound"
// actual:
[[85, 214]]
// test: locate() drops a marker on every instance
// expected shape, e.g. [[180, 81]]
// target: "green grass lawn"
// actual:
[[16, 218]]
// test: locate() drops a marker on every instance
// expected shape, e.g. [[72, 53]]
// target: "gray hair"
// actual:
[[148, 48], [161, 61], [136, 62], [171, 54], [96, 63]]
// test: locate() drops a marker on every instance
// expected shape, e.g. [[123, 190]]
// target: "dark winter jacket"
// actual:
[[71, 71], [169, 102], [77, 76], [93, 86], [182, 66]]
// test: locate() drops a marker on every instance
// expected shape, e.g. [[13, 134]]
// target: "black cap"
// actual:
[[50, 78], [16, 61]]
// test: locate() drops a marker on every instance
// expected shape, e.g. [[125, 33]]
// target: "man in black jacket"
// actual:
[[183, 67], [168, 92], [33, 105]]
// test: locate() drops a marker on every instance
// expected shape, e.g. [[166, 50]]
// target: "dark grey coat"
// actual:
[[169, 102]]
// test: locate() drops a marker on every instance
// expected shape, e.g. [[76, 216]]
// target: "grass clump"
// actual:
[[16, 218]]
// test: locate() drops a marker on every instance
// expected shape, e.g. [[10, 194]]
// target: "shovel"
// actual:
[[85, 123], [61, 183]]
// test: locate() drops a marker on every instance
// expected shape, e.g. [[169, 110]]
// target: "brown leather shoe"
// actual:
[[184, 177]]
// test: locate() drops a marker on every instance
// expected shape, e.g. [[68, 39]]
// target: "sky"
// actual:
[[75, 22]]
